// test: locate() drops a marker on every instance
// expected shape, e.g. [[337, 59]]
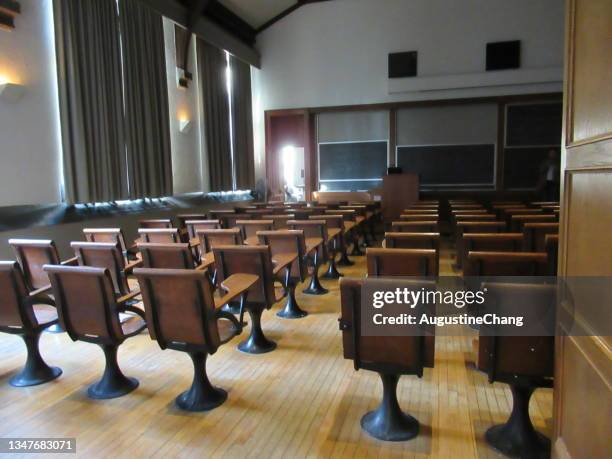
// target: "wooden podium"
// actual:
[[399, 192]]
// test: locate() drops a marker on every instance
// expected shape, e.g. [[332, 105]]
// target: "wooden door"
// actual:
[[583, 373]]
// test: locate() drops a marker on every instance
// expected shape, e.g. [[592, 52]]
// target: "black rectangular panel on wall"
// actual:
[[533, 124], [350, 185], [352, 160], [451, 165], [522, 167]]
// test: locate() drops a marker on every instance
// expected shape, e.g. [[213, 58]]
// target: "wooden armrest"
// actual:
[[349, 226], [253, 240], [312, 243], [208, 259], [45, 289], [234, 286], [74, 261], [333, 232], [130, 296], [130, 266], [282, 260]]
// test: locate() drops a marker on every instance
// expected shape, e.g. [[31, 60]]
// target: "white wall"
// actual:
[[189, 172], [29, 128], [335, 53]]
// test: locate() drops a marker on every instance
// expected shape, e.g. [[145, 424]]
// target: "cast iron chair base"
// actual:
[[36, 371], [256, 343], [517, 437], [233, 308], [388, 422], [291, 310], [113, 383], [202, 395], [344, 260], [356, 252], [315, 287], [332, 272]]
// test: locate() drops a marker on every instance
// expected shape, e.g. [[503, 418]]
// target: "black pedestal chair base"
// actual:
[[292, 309], [256, 343], [36, 371], [388, 422], [332, 271], [315, 287], [517, 437], [202, 395], [113, 383]]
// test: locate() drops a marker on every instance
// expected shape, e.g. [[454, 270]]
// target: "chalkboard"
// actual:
[[439, 165], [353, 160], [522, 166], [352, 185], [533, 124]]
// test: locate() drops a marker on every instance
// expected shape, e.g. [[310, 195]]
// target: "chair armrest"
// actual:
[[125, 298], [234, 286], [74, 261], [130, 266], [282, 261], [137, 311]]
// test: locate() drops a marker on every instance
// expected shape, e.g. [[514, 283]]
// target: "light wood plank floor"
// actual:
[[302, 400]]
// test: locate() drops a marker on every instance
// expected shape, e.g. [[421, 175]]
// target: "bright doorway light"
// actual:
[[288, 155]]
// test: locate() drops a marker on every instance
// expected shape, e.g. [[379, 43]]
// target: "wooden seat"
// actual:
[[261, 295], [112, 235], [402, 262], [489, 242], [506, 264], [27, 316], [193, 226], [517, 222], [390, 357], [155, 223], [89, 311], [109, 256], [167, 256], [249, 229], [335, 244], [159, 235], [315, 234], [213, 237], [479, 226], [418, 217], [424, 226], [534, 235], [32, 255], [182, 315], [523, 362], [288, 243]]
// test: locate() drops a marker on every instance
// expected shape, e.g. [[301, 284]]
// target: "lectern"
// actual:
[[399, 192]]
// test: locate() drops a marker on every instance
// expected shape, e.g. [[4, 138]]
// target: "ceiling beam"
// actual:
[[207, 30], [286, 12]]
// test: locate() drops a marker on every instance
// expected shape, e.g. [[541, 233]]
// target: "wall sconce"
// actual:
[[184, 126], [10, 92]]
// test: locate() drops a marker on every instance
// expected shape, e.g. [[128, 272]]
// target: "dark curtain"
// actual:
[[212, 73], [146, 101], [242, 122], [91, 107]]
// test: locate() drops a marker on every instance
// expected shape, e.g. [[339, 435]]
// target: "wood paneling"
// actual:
[[583, 374]]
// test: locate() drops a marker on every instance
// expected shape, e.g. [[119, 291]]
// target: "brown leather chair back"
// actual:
[[249, 228], [287, 242], [159, 235], [509, 358], [155, 223], [240, 259], [209, 239], [412, 241], [424, 226], [193, 226], [32, 255], [15, 312], [85, 301], [535, 235], [506, 264], [180, 308], [104, 255], [401, 262], [391, 354], [166, 256], [112, 235]]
